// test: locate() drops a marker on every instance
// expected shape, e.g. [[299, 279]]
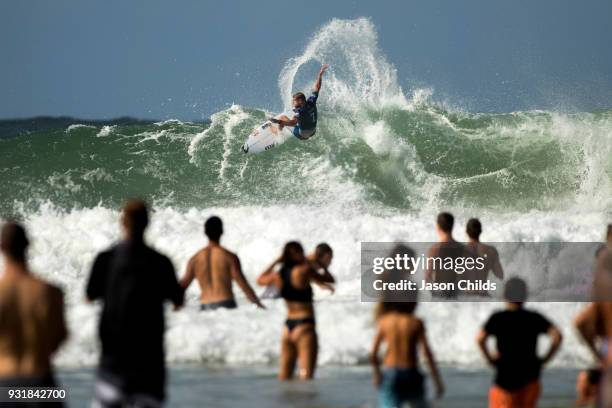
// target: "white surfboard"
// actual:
[[266, 137]]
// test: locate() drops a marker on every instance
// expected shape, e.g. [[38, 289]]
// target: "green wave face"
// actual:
[[392, 157]]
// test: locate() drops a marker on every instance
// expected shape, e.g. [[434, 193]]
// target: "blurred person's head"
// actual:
[[213, 228], [14, 241], [474, 228], [135, 218], [324, 254], [515, 291], [444, 224], [293, 254]]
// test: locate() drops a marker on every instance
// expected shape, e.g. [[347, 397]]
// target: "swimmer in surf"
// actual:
[[305, 110]]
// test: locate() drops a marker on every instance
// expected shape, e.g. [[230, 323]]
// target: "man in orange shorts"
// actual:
[[517, 365]]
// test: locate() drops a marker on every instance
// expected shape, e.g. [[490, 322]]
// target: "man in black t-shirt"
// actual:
[[516, 362], [133, 281]]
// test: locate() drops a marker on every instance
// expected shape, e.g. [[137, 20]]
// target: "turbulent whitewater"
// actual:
[[383, 162]]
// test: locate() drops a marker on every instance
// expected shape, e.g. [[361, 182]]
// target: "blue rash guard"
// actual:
[[307, 118]]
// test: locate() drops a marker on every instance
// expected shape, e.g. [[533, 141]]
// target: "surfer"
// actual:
[[305, 118]]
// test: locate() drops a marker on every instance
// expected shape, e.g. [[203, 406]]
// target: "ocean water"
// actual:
[[384, 161], [334, 387]]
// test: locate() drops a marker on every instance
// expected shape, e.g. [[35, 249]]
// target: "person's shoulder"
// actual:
[[108, 252], [229, 254], [499, 314], [418, 322], [158, 257]]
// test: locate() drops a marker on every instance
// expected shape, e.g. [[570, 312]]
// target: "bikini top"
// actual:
[[290, 292]]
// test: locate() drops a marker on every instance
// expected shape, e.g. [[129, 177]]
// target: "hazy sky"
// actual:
[[188, 59]]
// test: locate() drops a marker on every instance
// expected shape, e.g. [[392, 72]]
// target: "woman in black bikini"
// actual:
[[299, 338]]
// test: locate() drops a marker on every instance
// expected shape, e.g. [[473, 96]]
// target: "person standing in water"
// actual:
[[32, 325], [401, 381], [517, 365], [489, 253], [133, 281], [293, 280], [215, 268], [304, 121], [447, 247], [595, 323]]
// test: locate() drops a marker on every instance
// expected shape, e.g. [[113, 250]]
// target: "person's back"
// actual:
[[517, 364], [401, 333], [215, 268], [438, 270], [517, 332], [213, 271], [401, 380], [133, 281], [487, 253], [32, 325]]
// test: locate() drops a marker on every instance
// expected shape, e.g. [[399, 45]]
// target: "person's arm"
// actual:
[[587, 327], [96, 283], [496, 267], [556, 338], [189, 275], [57, 318], [481, 339], [431, 362], [429, 272], [374, 358], [282, 122], [326, 276], [320, 280], [174, 291], [317, 85], [268, 277], [238, 276]]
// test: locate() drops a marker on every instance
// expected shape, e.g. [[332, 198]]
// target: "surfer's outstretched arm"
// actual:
[[317, 84], [284, 121]]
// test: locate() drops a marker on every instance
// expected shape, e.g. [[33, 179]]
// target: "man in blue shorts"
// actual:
[[305, 119]]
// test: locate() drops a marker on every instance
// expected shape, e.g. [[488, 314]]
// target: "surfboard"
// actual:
[[266, 137]]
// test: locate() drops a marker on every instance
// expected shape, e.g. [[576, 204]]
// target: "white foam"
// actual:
[[106, 131], [65, 243]]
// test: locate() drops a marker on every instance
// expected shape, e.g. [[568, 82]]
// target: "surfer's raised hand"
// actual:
[[317, 85]]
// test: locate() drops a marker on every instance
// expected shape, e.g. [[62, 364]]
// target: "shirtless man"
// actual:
[[32, 325], [447, 247], [215, 268], [595, 322], [401, 380], [489, 253]]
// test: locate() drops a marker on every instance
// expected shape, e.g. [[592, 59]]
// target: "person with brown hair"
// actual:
[[32, 325], [401, 381], [216, 268], [133, 281], [486, 252], [299, 342]]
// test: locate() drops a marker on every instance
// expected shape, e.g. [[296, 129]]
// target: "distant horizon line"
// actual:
[[126, 118]]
